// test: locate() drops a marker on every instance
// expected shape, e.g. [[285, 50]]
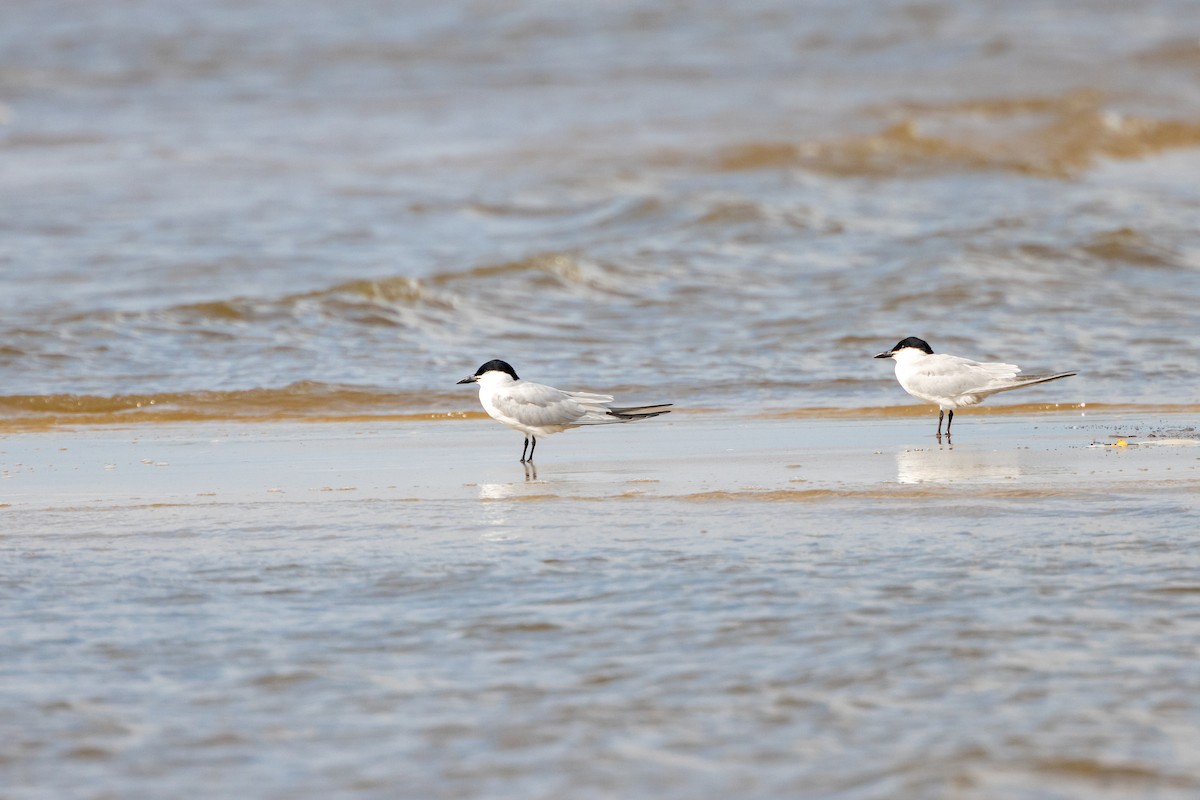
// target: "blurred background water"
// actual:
[[321, 204]]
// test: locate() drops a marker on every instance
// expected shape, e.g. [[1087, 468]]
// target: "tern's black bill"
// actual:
[[888, 354], [468, 379]]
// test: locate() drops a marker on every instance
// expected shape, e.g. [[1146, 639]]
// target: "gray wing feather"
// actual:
[[538, 405], [950, 376]]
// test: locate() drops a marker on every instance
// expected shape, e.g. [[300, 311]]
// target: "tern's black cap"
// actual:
[[911, 341], [496, 365]]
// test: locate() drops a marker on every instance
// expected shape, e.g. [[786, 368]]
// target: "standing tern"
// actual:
[[952, 381], [537, 410]]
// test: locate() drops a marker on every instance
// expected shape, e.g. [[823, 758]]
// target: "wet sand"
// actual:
[[696, 606], [687, 457]]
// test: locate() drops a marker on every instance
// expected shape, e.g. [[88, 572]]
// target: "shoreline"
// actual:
[[687, 458], [152, 414]]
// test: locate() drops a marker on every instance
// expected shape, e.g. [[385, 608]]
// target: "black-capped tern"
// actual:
[[537, 410], [952, 382]]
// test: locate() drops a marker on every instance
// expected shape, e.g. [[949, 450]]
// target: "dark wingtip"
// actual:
[[640, 412]]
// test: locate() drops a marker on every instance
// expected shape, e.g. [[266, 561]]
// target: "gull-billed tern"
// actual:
[[537, 410], [952, 381]]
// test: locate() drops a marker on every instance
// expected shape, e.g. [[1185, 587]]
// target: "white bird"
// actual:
[[952, 381], [537, 410]]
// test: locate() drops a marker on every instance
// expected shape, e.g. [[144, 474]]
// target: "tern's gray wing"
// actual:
[[537, 405], [942, 375]]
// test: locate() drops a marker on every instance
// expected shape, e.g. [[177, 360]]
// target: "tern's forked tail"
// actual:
[[1021, 381], [640, 412]]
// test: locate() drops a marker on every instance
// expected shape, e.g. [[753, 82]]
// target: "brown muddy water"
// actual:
[[256, 543]]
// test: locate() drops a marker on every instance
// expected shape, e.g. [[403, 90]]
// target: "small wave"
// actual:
[[333, 332], [407, 301], [604, 215], [1049, 137], [1128, 246], [545, 269], [303, 401], [226, 310], [396, 291], [386, 290]]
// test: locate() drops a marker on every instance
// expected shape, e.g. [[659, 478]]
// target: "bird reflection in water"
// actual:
[[944, 464]]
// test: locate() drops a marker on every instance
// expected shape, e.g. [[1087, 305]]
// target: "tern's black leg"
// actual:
[[523, 449], [941, 413], [534, 447], [949, 421]]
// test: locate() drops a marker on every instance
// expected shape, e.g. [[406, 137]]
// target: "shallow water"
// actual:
[[240, 215], [706, 607]]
